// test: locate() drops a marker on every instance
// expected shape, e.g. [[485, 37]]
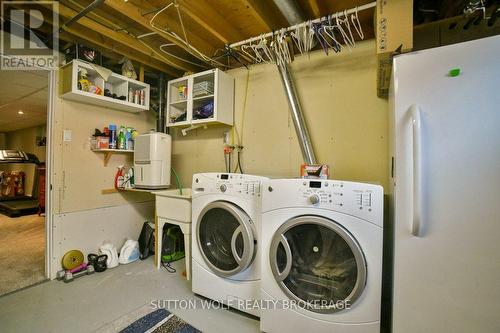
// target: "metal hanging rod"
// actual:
[[293, 27]]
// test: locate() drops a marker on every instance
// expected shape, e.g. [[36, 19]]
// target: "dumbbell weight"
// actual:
[[60, 274], [68, 277]]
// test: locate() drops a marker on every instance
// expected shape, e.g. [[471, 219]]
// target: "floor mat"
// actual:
[[22, 252], [146, 319]]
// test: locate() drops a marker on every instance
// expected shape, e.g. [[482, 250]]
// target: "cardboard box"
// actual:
[[316, 171], [394, 34]]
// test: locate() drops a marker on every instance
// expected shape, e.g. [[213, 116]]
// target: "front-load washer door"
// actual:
[[318, 264], [225, 238]]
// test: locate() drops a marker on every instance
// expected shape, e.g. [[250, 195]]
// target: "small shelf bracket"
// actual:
[[107, 156]]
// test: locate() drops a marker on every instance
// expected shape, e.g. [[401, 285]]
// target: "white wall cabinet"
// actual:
[[116, 84], [202, 98]]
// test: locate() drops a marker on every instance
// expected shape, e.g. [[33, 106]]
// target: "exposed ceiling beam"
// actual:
[[266, 13], [135, 14], [123, 38], [313, 8], [210, 19]]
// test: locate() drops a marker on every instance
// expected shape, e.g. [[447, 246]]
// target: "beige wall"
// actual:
[[25, 140], [79, 173], [347, 122]]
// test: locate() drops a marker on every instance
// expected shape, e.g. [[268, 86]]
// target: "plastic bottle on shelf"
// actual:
[[129, 143], [143, 97], [121, 138], [131, 95], [136, 97], [112, 136]]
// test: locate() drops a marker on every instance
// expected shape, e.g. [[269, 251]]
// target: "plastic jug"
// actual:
[[109, 250], [129, 252]]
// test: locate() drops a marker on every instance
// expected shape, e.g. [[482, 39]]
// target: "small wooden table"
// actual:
[[173, 208]]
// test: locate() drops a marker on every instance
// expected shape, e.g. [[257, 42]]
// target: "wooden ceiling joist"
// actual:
[[211, 20], [123, 38], [313, 8], [266, 13]]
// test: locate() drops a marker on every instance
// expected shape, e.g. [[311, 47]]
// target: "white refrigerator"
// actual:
[[445, 121]]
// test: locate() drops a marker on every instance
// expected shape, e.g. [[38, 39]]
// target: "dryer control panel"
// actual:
[[358, 199], [241, 184], [228, 183]]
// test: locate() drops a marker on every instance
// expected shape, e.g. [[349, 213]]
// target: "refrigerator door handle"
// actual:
[[416, 228]]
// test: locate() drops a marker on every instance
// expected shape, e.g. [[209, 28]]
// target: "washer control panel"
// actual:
[[359, 199], [322, 192]]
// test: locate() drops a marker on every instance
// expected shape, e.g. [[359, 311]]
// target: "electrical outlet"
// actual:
[[226, 138], [67, 135]]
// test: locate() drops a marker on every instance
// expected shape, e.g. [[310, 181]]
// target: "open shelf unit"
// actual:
[[202, 98], [116, 84], [109, 152]]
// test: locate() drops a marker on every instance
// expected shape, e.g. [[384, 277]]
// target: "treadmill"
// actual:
[[19, 205]]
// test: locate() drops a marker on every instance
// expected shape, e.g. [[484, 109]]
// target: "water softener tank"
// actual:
[[152, 154]]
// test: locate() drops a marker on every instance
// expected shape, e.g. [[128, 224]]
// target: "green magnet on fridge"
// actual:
[[454, 72]]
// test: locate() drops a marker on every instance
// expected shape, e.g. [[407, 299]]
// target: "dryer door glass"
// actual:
[[318, 263], [225, 238]]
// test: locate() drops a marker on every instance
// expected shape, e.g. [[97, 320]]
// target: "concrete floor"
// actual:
[[91, 303], [22, 252]]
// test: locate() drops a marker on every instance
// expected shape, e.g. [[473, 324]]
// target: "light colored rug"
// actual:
[[22, 252]]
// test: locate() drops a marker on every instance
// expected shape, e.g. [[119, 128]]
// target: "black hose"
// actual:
[[238, 166], [239, 162]]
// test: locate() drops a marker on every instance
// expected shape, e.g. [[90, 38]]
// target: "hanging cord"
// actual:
[[168, 267], [177, 57], [239, 133], [187, 46]]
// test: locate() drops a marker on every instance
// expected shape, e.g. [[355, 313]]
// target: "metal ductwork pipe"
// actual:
[[290, 10], [297, 116], [160, 117], [293, 15]]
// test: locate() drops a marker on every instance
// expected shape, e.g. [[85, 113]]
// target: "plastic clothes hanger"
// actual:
[[317, 28], [343, 33], [357, 24], [329, 31], [243, 49]]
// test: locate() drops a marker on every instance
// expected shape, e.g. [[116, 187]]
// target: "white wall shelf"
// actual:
[[116, 84], [189, 94]]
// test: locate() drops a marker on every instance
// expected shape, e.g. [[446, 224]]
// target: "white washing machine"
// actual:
[[322, 256], [226, 238]]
